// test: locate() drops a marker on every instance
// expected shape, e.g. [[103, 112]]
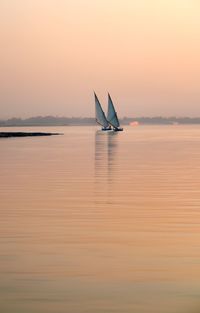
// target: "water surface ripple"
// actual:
[[101, 222]]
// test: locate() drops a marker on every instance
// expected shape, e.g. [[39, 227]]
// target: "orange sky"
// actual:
[[55, 52]]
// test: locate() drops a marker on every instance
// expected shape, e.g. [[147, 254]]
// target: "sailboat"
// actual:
[[112, 116], [100, 115]]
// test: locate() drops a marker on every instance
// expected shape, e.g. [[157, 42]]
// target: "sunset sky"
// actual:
[[54, 53]]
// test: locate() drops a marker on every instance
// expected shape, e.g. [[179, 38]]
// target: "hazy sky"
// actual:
[[54, 53]]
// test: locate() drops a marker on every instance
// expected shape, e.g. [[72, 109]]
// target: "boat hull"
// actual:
[[118, 129], [106, 128]]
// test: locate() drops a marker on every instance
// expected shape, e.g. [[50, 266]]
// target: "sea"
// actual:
[[100, 222]]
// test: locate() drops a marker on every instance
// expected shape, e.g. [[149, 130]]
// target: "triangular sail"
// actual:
[[112, 114], [100, 115]]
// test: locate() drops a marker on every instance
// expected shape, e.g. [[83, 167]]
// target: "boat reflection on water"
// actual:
[[106, 147], [105, 156], [112, 145]]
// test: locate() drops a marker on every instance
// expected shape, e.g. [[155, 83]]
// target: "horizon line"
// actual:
[[92, 117]]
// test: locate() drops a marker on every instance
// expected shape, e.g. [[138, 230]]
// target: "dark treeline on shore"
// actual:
[[70, 121]]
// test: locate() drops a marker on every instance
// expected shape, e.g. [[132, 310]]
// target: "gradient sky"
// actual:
[[54, 53]]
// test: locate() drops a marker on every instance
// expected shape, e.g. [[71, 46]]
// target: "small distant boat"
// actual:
[[100, 115], [112, 116]]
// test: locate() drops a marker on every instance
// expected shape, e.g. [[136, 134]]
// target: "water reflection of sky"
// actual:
[[107, 222]]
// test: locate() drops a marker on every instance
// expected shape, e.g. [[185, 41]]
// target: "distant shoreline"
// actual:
[[89, 121]]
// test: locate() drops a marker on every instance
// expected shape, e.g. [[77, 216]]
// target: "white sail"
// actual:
[[100, 115], [112, 114]]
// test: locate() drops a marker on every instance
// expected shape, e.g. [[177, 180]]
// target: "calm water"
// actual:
[[94, 222]]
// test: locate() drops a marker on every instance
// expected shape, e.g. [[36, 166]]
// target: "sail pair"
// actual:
[[111, 120]]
